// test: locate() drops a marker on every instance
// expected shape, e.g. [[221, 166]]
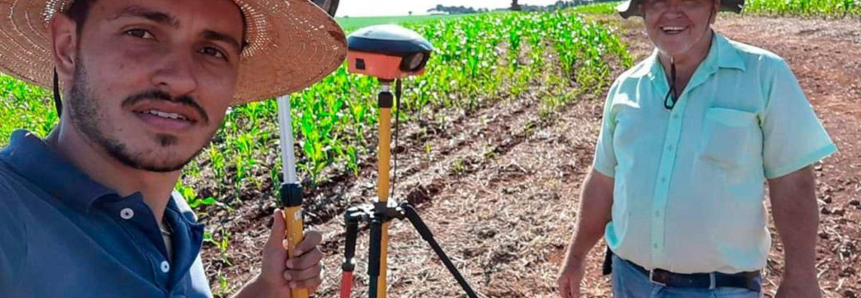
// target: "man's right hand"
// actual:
[[596, 204], [570, 276]]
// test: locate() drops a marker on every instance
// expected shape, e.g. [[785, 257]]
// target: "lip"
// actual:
[[183, 110], [164, 125], [685, 28]]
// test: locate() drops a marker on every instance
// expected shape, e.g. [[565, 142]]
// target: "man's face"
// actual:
[[676, 26], [154, 78]]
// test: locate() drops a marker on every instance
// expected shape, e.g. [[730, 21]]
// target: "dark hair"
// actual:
[[79, 11]]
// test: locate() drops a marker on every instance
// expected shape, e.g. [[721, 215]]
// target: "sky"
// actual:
[[365, 8]]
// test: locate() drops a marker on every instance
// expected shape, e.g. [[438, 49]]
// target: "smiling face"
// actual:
[[678, 26], [151, 80]]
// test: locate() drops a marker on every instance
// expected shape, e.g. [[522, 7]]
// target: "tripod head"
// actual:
[[387, 52]]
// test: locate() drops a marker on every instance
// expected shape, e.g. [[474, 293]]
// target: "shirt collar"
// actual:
[[722, 54], [32, 158], [727, 54]]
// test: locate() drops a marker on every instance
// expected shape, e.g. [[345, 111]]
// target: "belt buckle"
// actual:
[[652, 278]]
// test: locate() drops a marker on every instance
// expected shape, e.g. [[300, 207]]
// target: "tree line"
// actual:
[[515, 6]]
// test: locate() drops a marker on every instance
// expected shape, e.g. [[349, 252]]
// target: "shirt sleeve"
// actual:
[[793, 136], [605, 157]]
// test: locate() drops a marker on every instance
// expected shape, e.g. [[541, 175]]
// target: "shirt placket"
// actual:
[[665, 177], [137, 218]]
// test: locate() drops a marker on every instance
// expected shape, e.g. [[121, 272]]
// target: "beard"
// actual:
[[87, 115]]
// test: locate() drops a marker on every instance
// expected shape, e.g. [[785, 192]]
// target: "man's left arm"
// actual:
[[796, 216], [793, 140]]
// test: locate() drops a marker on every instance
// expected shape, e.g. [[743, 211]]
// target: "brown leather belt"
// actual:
[[745, 280]]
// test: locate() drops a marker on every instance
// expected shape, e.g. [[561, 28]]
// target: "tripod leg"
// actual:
[[426, 234], [352, 220], [374, 257]]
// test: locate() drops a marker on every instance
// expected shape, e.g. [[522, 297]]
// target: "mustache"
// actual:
[[161, 95]]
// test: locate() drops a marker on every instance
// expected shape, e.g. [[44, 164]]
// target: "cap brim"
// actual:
[[626, 8], [735, 6]]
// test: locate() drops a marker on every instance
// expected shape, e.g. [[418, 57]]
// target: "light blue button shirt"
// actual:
[[689, 183]]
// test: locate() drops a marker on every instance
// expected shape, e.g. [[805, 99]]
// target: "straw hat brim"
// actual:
[[629, 8], [292, 44]]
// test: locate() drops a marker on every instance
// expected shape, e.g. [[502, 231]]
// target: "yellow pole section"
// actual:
[[384, 156], [293, 221]]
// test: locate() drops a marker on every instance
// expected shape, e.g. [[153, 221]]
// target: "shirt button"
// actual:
[[676, 116], [657, 213], [165, 267], [127, 213], [670, 148], [663, 179]]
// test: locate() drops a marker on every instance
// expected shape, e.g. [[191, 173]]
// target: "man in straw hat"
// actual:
[[689, 137], [89, 211]]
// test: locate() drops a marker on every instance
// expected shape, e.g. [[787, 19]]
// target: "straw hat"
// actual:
[[629, 8], [291, 45]]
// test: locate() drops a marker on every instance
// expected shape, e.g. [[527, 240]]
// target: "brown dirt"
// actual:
[[499, 187]]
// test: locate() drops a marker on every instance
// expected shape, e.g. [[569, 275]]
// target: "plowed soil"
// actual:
[[500, 186]]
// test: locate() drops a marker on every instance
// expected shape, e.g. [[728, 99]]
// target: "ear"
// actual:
[[65, 39]]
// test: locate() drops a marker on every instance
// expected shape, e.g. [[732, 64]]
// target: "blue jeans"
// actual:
[[628, 282]]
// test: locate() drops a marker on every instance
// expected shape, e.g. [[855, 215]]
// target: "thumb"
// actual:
[[276, 238]]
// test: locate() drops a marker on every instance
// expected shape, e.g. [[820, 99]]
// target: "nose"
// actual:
[[674, 11], [175, 75]]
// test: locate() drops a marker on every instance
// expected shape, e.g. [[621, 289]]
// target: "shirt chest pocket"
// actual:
[[727, 138]]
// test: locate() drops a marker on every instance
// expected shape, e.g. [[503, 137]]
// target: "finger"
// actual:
[[306, 260], [309, 242], [563, 288], [277, 233], [301, 275], [574, 290], [306, 284]]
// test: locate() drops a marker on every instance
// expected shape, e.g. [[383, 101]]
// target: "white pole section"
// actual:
[[288, 156]]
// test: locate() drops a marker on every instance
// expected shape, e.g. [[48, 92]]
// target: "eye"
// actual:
[[140, 33], [210, 51]]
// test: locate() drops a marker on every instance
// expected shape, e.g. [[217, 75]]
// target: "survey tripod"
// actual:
[[380, 214]]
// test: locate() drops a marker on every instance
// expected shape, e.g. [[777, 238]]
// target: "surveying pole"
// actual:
[[291, 189]]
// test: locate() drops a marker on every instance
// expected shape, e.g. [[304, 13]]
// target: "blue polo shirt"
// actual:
[[64, 235]]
